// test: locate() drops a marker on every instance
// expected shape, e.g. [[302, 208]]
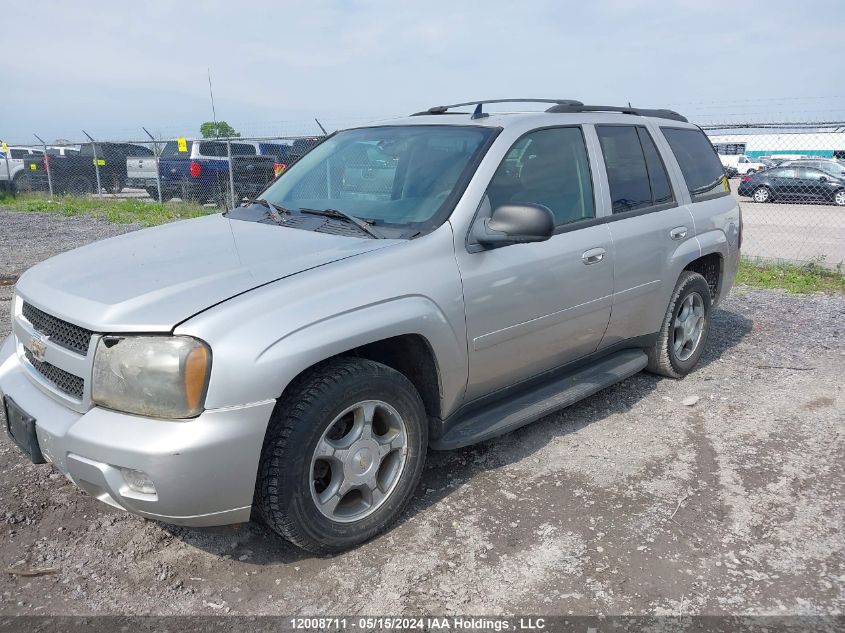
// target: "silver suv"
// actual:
[[432, 281]]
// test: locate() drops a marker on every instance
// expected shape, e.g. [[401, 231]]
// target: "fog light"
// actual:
[[138, 481]]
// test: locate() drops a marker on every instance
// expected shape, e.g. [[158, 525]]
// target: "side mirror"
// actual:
[[823, 179], [515, 224]]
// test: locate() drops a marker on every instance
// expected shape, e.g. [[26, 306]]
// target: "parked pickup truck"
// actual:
[[294, 358], [202, 173], [76, 173], [742, 164], [12, 175]]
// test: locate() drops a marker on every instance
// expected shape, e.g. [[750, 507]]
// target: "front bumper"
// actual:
[[203, 469]]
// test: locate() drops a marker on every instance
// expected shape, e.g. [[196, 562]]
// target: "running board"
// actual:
[[530, 405]]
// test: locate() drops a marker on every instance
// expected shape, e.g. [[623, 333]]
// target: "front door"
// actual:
[[534, 307]]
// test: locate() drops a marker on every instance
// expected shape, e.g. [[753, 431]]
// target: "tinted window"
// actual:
[[241, 149], [171, 150], [627, 173], [213, 148], [274, 149], [783, 172], [810, 174], [699, 164], [661, 190], [18, 153], [547, 167]]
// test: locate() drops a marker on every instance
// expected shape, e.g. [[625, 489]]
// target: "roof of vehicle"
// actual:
[[560, 110]]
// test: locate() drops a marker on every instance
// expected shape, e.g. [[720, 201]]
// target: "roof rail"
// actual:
[[443, 109], [580, 107]]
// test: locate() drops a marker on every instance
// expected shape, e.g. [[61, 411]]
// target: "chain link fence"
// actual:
[[790, 181], [789, 178], [214, 172]]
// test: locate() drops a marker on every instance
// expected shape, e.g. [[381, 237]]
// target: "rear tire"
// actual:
[[762, 195], [683, 335], [22, 183], [839, 198], [326, 483]]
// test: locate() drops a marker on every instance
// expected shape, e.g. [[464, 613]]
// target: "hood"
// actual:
[[153, 279]]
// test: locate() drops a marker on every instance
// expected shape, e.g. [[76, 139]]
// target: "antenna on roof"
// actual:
[[478, 114]]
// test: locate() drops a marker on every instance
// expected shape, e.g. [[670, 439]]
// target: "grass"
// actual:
[[126, 211], [801, 279]]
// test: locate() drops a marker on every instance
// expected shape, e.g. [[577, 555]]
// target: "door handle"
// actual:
[[678, 233], [593, 256]]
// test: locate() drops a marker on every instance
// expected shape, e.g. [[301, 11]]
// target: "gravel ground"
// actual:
[[630, 502]]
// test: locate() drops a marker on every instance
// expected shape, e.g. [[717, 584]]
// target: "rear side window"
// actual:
[[699, 164], [18, 153], [171, 150], [661, 190], [139, 150], [783, 172], [635, 172], [241, 149], [213, 148]]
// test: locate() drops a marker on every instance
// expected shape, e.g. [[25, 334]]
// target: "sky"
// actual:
[[110, 67]]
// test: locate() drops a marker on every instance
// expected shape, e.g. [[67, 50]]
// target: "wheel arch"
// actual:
[[410, 334], [710, 266]]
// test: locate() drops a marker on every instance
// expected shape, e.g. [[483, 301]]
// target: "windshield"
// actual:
[[407, 175], [833, 168]]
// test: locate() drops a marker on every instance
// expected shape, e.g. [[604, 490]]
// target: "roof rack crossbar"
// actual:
[[660, 114], [443, 109]]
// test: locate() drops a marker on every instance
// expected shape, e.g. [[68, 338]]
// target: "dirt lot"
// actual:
[[629, 502]]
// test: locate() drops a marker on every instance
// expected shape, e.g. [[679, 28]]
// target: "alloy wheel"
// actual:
[[688, 326], [358, 461]]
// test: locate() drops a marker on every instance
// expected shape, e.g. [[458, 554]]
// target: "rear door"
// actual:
[[647, 226], [785, 183]]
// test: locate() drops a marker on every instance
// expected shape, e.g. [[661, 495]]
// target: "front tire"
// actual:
[[342, 456], [762, 194], [683, 335]]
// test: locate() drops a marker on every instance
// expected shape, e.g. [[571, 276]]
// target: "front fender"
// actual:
[[263, 339], [287, 357]]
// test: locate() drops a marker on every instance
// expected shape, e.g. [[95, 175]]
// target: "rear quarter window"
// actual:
[[171, 150], [699, 163]]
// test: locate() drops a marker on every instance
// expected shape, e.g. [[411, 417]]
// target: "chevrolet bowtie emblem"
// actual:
[[38, 348]]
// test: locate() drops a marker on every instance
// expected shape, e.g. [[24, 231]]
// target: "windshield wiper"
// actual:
[[364, 225], [276, 212]]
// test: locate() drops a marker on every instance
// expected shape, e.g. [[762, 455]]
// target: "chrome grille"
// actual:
[[62, 333], [63, 381]]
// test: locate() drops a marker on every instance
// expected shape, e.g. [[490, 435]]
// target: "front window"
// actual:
[[547, 167], [401, 176]]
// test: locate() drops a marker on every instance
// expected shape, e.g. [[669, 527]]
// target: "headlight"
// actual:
[[160, 376]]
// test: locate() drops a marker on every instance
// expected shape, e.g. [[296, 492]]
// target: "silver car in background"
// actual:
[[431, 281]]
